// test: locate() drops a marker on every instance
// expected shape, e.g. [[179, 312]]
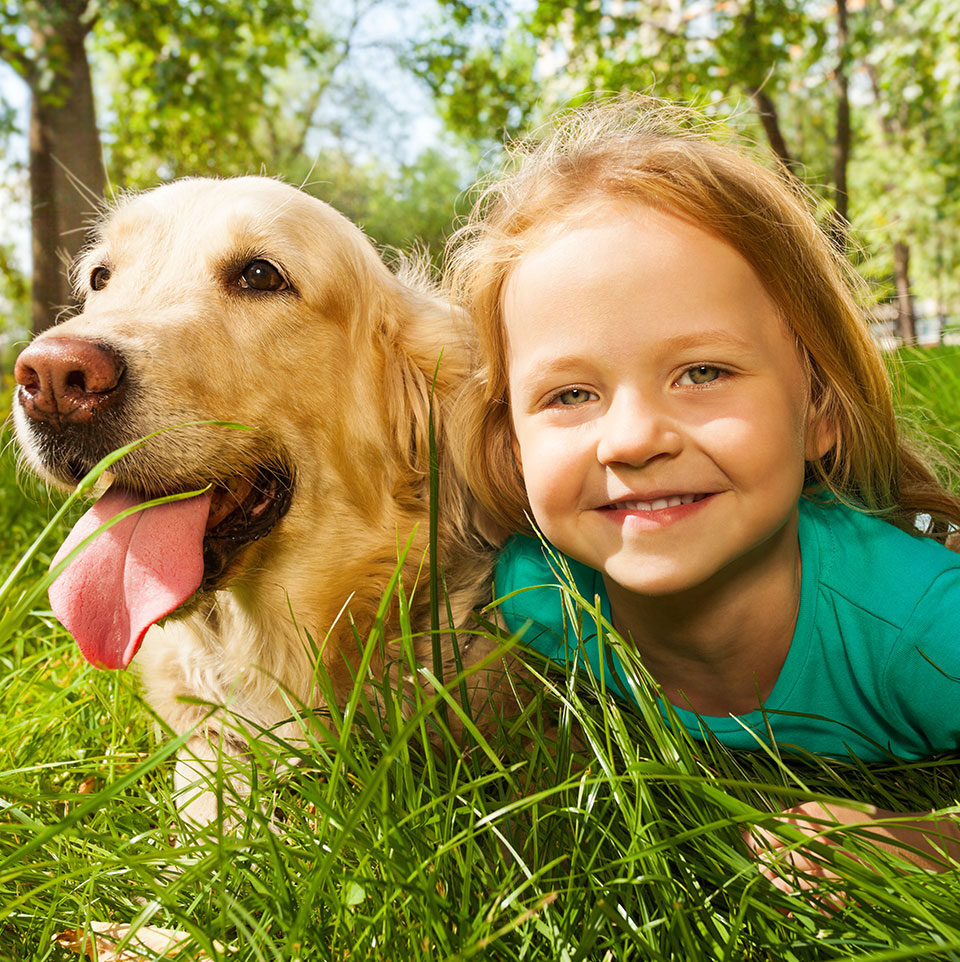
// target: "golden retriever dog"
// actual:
[[246, 300]]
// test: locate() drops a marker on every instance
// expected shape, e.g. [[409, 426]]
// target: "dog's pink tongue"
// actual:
[[129, 576]]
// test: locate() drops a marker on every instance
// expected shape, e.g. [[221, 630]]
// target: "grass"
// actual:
[[532, 848], [929, 395]]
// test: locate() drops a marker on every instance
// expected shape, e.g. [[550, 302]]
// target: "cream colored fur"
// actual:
[[335, 380]]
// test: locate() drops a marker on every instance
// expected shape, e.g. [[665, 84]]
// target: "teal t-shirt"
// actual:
[[875, 655]]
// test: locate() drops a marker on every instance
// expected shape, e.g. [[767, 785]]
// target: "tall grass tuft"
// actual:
[[928, 389], [608, 836]]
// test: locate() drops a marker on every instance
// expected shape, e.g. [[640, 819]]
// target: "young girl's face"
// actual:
[[660, 409]]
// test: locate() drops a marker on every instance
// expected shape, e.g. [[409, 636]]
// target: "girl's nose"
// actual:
[[634, 432]]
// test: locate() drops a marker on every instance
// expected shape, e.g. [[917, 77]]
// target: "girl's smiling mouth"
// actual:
[[655, 504], [654, 513]]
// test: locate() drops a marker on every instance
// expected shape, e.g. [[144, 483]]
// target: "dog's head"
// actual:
[[243, 301]]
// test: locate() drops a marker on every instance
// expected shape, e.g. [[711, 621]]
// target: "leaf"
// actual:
[[353, 894]]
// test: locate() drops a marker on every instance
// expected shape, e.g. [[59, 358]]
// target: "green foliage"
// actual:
[[908, 175], [187, 85], [928, 382], [485, 91], [714, 54], [40, 64], [8, 118], [14, 309], [235, 88], [411, 208], [242, 87]]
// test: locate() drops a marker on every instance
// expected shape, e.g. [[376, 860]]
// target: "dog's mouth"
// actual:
[[242, 511], [148, 562]]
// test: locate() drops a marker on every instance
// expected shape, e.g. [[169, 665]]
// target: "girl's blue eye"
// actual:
[[574, 395], [701, 374]]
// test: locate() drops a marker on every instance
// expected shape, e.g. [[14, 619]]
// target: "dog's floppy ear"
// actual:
[[431, 348], [427, 338]]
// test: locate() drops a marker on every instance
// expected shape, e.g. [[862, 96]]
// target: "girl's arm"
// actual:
[[930, 843]]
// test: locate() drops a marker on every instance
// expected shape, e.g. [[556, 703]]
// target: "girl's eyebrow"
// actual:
[[546, 361], [713, 338], [544, 364]]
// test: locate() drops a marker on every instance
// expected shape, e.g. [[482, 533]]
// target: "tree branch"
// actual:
[[770, 119], [21, 63]]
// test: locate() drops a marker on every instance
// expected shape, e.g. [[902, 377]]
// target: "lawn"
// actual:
[[372, 846]]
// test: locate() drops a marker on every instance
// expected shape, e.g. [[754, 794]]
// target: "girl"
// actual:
[[675, 381]]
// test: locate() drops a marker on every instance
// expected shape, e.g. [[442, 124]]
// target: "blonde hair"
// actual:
[[662, 155]]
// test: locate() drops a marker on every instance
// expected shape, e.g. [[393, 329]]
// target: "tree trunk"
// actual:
[[770, 119], [841, 143], [66, 171], [906, 319]]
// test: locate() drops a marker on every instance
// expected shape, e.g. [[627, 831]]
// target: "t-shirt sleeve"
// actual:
[[922, 677], [530, 598], [533, 596]]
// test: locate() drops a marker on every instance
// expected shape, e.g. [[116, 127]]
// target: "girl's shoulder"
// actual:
[[873, 563], [526, 561], [520, 551], [529, 580]]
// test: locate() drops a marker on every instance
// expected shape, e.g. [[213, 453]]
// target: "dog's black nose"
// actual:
[[67, 380]]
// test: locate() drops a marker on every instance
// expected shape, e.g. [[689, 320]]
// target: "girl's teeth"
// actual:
[[674, 501]]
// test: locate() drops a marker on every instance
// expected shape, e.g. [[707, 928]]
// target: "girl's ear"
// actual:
[[821, 434]]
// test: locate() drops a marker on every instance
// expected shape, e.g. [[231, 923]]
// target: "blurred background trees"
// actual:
[[858, 98], [390, 109], [283, 87]]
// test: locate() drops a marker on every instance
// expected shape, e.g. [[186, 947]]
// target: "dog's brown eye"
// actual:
[[99, 277], [262, 276]]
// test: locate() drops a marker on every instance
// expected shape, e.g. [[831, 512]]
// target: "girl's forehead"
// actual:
[[670, 232], [592, 209], [632, 232], [600, 209], [644, 271]]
